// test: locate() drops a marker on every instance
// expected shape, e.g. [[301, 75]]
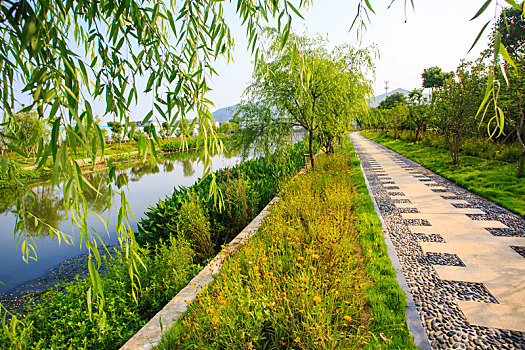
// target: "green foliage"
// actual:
[[61, 320], [22, 132], [149, 129], [15, 174], [433, 77], [66, 55], [418, 112], [511, 27], [229, 128], [116, 129], [304, 85], [302, 281], [457, 103], [391, 100], [194, 225], [241, 204], [179, 144], [493, 180], [246, 189]]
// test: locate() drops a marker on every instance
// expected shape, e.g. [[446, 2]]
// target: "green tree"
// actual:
[[23, 131], [418, 114], [513, 104], [396, 117], [434, 77], [116, 130], [165, 130], [149, 130], [391, 100], [229, 128], [298, 85], [457, 103]]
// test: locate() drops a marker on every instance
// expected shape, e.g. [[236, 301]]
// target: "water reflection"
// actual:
[[143, 184]]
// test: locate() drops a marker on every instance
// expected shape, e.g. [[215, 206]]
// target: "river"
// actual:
[[147, 183]]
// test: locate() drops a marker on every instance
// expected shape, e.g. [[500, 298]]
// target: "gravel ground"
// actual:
[[444, 323]]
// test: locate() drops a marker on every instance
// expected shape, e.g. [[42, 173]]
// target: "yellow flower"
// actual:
[[347, 318], [260, 286], [297, 340], [337, 280], [317, 299], [298, 265], [300, 258], [271, 304], [313, 268], [315, 256], [303, 279], [215, 319]]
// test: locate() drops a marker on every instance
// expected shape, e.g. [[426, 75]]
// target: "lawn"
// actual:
[[315, 276], [490, 179]]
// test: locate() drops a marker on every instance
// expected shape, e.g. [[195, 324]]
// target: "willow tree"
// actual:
[[303, 84], [57, 57]]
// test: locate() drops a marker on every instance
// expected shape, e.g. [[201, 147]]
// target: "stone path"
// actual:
[[463, 257]]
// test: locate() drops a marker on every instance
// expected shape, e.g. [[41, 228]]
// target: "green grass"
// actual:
[[315, 276], [493, 180]]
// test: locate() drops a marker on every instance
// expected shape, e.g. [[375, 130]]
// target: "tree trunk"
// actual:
[[519, 172], [417, 135], [310, 147]]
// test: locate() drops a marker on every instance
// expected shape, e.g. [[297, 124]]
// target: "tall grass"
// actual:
[[315, 276]]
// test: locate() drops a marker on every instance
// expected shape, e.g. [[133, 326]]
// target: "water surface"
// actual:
[[147, 183]]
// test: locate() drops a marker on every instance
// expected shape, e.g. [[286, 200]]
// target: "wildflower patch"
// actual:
[[301, 282]]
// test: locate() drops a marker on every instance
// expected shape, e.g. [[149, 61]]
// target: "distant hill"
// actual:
[[224, 114], [377, 100]]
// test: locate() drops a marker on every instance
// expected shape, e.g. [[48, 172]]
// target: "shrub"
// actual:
[[179, 144], [509, 155], [193, 223]]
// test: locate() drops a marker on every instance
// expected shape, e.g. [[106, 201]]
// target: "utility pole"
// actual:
[[386, 88]]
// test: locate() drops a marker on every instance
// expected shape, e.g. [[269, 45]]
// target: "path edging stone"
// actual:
[[414, 322]]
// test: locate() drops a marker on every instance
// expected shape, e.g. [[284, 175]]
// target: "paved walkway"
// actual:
[[463, 257]]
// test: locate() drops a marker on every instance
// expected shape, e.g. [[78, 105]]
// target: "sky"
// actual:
[[436, 33]]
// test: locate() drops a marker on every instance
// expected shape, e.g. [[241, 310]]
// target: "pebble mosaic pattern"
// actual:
[[437, 300]]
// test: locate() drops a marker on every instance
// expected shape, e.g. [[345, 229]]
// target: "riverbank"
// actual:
[[66, 272], [126, 153]]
